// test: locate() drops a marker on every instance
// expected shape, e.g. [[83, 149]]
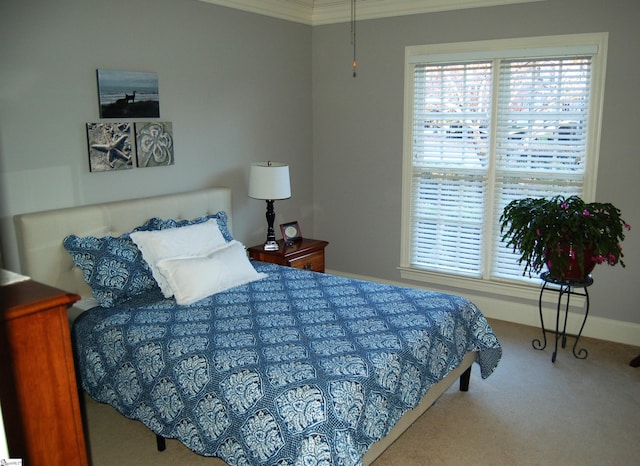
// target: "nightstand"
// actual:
[[305, 254], [38, 388]]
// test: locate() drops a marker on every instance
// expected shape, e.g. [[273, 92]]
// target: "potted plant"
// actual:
[[567, 235]]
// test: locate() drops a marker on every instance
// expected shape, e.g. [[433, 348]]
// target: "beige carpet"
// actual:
[[529, 412]]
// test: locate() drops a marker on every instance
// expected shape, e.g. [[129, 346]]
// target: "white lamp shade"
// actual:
[[269, 180]]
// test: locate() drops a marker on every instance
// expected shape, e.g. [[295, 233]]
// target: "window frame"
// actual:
[[529, 47]]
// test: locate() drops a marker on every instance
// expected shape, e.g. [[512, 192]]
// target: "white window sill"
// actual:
[[472, 285]]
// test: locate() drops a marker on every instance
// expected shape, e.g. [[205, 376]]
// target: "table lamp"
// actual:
[[269, 181]]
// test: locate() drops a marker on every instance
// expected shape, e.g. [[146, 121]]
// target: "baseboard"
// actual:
[[526, 312]]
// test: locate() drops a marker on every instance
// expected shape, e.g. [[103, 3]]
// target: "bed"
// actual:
[[289, 367]]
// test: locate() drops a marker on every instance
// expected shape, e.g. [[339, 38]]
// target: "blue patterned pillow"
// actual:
[[112, 266], [220, 217]]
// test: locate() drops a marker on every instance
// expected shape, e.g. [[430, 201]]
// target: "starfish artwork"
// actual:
[[109, 146]]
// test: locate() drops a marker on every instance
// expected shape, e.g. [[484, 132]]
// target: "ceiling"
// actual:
[[315, 12]]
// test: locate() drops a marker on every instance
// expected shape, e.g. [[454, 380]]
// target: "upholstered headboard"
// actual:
[[40, 234]]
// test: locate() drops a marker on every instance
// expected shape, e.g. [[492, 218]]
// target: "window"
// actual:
[[486, 123]]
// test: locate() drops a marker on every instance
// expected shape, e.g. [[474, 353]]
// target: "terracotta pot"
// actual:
[[572, 270]]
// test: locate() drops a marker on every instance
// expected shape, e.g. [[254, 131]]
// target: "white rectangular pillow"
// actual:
[[195, 278], [192, 240]]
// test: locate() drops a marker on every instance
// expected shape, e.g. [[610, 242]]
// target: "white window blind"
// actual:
[[482, 133], [541, 137], [450, 165]]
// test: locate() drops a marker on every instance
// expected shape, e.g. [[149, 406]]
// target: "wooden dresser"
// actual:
[[303, 254], [38, 389]]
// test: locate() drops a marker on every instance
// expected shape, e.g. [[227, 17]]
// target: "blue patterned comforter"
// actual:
[[297, 368]]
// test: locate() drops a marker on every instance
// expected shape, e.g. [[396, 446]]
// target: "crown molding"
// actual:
[[316, 12], [299, 11]]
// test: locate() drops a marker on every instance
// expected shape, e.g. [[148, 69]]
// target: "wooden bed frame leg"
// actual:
[[464, 380], [160, 441]]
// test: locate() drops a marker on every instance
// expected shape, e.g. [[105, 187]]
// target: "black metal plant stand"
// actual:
[[563, 288]]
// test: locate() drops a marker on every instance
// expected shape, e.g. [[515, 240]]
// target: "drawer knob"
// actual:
[[308, 266]]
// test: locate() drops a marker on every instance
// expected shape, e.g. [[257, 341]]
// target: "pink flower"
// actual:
[[565, 206], [586, 213], [599, 259], [627, 226]]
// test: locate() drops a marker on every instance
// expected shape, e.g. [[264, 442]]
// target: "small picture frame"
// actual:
[[110, 146], [290, 232], [154, 143]]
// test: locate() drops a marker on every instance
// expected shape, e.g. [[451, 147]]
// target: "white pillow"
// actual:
[[192, 240], [195, 278]]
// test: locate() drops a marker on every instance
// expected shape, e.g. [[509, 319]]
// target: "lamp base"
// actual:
[[271, 246]]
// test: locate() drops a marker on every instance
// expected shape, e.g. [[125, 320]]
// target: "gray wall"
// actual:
[[237, 87], [358, 129], [240, 87]]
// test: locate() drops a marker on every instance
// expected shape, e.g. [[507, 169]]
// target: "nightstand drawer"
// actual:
[[313, 262], [307, 254]]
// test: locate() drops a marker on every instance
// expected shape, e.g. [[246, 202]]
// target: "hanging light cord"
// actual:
[[353, 35]]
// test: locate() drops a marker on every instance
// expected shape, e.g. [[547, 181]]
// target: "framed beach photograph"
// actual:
[[154, 143], [109, 146], [128, 94]]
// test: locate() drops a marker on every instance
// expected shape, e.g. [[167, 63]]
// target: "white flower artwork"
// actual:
[[154, 143]]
